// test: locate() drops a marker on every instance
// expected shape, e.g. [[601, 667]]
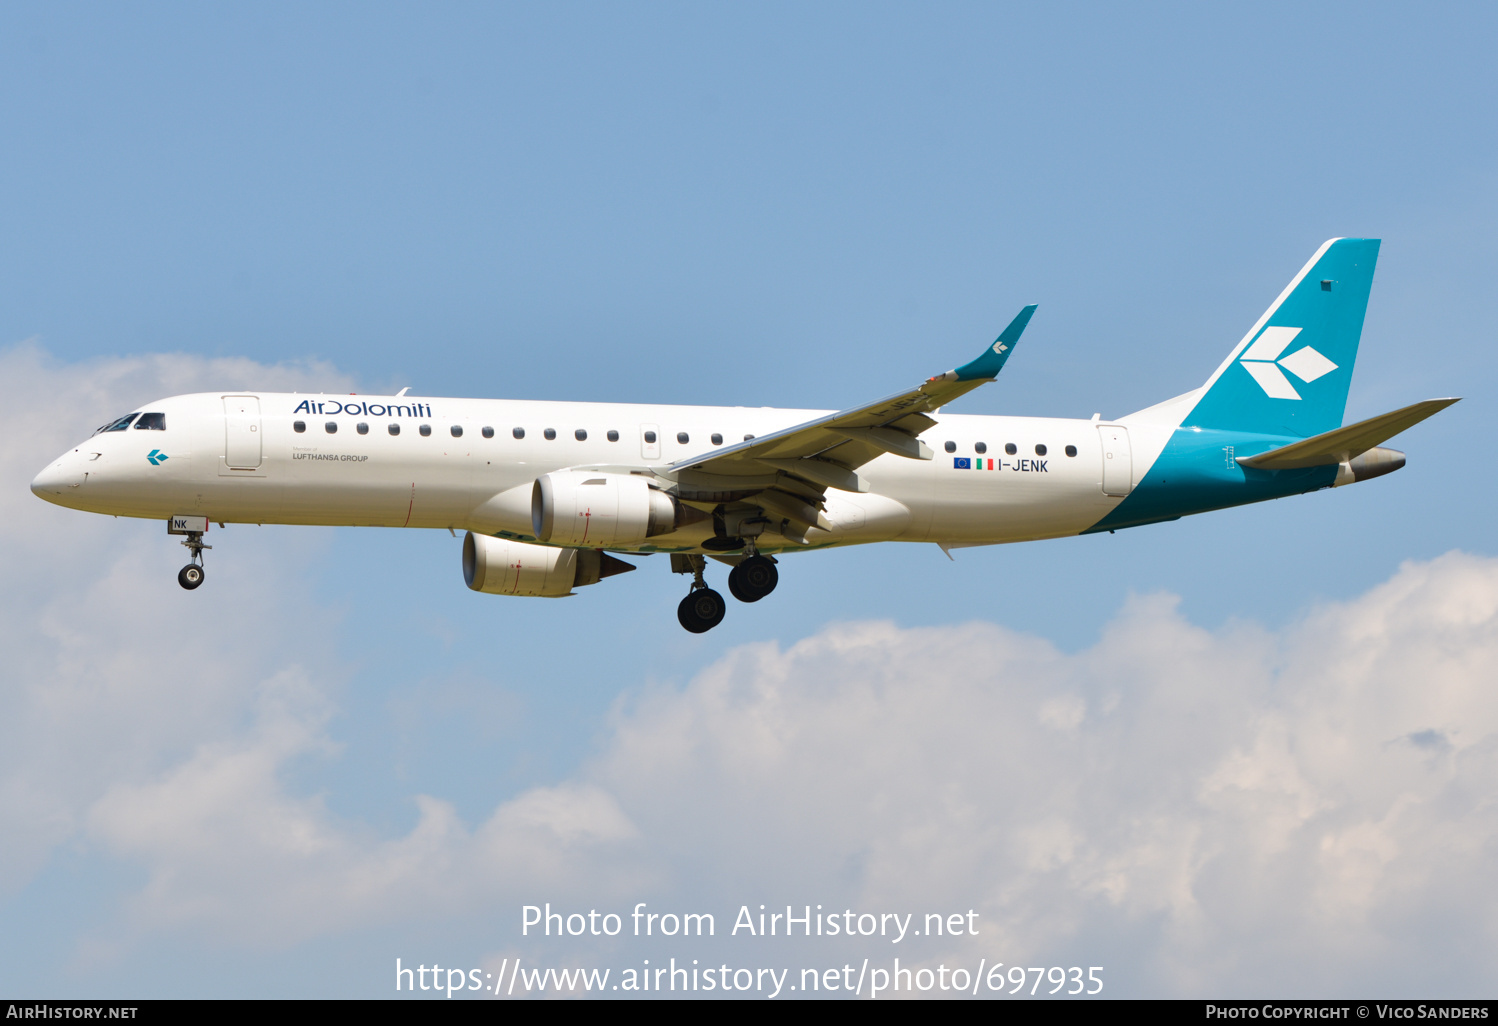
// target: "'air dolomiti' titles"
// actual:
[[364, 409]]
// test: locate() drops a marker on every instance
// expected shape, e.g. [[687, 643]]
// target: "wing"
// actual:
[[786, 474]]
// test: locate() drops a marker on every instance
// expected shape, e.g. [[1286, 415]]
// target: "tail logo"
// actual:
[[1263, 361]]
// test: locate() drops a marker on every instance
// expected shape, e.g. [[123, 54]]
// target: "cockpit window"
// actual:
[[116, 425], [151, 422]]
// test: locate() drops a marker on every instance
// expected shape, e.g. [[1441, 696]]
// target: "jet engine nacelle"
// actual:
[[596, 510], [503, 567]]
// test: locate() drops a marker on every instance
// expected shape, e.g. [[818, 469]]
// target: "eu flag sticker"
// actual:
[[962, 463]]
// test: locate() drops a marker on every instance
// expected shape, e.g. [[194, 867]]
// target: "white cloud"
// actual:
[[107, 674], [1302, 812], [1306, 810]]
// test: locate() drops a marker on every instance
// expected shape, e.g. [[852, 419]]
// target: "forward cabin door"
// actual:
[[242, 450], [1118, 460]]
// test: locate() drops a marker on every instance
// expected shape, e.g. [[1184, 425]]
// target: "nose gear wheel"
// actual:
[[191, 575]]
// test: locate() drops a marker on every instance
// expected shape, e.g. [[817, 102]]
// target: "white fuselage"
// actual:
[[241, 458]]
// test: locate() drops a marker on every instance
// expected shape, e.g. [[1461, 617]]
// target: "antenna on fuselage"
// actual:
[[403, 391]]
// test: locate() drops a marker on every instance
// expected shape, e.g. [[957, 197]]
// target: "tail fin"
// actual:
[[1290, 374]]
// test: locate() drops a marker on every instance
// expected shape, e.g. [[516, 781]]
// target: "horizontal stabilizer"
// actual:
[[1345, 443]]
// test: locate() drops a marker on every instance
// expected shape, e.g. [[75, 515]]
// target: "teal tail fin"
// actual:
[[1290, 374]]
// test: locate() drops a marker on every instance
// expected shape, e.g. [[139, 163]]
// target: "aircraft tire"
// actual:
[[190, 576], [753, 579], [701, 611], [736, 587]]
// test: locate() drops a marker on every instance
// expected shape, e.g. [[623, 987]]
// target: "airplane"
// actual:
[[551, 494]]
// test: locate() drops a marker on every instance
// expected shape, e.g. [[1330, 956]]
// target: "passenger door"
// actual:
[[1118, 460], [242, 444]]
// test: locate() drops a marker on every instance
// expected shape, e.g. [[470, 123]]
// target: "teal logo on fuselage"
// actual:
[[157, 457]]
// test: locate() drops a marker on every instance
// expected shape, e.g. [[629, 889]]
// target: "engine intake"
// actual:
[[596, 510]]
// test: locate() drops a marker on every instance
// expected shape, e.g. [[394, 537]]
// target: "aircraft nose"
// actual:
[[57, 480]]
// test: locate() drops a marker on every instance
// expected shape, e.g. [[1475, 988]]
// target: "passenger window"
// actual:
[[518, 432], [457, 430], [331, 427], [580, 434], [299, 426], [683, 438], [1011, 448], [395, 428], [1040, 450], [650, 438], [950, 447], [549, 433], [717, 438], [613, 436], [980, 447], [426, 430], [151, 422], [1071, 450], [488, 432], [363, 428]]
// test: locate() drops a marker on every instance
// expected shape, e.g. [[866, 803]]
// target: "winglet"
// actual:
[[992, 361]]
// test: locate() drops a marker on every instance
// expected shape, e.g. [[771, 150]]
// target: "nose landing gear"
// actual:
[[194, 527], [191, 575]]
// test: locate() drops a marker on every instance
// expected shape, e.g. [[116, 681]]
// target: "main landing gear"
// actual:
[[749, 581], [703, 608], [753, 579]]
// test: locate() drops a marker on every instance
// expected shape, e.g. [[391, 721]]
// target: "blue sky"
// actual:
[[770, 205]]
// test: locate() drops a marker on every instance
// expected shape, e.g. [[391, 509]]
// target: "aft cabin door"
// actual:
[[242, 432], [1118, 460]]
